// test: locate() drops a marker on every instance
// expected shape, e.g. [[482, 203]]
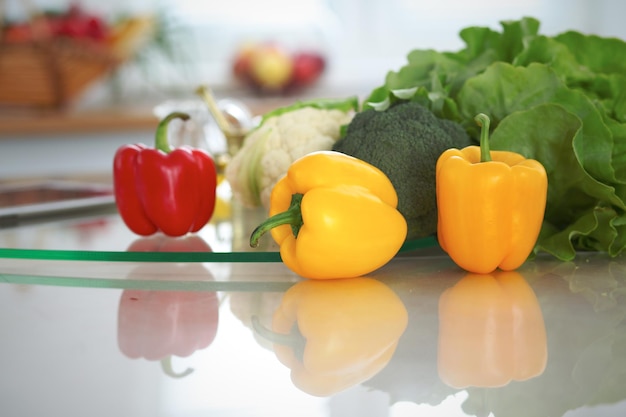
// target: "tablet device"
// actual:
[[38, 201]]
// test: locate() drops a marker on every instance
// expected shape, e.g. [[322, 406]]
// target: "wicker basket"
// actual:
[[49, 74], [54, 72]]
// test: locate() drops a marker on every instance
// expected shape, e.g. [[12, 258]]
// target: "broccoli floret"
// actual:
[[405, 141]]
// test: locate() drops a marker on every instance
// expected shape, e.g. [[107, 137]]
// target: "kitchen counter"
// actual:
[[80, 141], [110, 119], [118, 116], [99, 322]]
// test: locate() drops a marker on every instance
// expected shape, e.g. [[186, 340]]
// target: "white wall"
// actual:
[[62, 155]]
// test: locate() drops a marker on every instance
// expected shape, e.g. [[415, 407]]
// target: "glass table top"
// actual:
[[99, 322]]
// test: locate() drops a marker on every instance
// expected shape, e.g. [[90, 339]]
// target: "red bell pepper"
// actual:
[[160, 189]]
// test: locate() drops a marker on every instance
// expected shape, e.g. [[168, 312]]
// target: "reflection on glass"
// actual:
[[605, 291], [582, 309], [259, 306], [335, 334], [491, 331], [156, 325]]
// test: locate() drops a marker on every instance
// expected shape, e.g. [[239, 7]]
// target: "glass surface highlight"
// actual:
[[104, 237], [111, 256]]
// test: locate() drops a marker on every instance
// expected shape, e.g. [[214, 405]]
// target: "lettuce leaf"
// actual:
[[560, 100]]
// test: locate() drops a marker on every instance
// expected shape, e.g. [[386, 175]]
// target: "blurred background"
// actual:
[[197, 41], [264, 53]]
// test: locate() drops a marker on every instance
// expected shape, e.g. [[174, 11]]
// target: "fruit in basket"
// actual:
[[308, 66], [129, 35], [16, 33], [81, 47], [74, 23], [271, 67], [23, 32], [241, 63], [78, 23]]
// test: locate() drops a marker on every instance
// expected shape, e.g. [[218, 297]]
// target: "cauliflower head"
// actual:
[[268, 151]]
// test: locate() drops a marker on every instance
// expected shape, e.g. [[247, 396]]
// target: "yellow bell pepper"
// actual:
[[491, 331], [334, 216], [334, 334], [490, 211]]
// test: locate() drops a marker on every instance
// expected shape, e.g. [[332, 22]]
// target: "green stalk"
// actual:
[[483, 121], [294, 340], [292, 216], [166, 366], [161, 141], [222, 122]]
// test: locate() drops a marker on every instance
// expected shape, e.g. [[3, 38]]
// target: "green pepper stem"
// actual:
[[292, 216], [294, 340], [483, 121], [166, 365], [161, 141]]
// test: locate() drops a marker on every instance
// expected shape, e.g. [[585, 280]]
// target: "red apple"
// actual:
[[78, 23], [307, 68], [17, 33], [241, 62]]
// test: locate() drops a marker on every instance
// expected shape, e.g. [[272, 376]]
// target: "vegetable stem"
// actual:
[[224, 125], [294, 340], [292, 216], [161, 140], [483, 121], [166, 366]]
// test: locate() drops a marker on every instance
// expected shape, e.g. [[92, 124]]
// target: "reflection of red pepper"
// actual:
[[160, 243], [158, 324], [164, 189]]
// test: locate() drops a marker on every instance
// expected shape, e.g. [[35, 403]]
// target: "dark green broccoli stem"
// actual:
[[483, 121], [292, 216], [294, 340], [161, 141]]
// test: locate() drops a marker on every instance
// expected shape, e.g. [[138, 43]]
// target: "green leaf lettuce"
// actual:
[[560, 100]]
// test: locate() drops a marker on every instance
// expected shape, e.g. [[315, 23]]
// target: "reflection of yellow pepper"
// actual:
[[491, 331], [490, 211], [348, 331], [334, 216]]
